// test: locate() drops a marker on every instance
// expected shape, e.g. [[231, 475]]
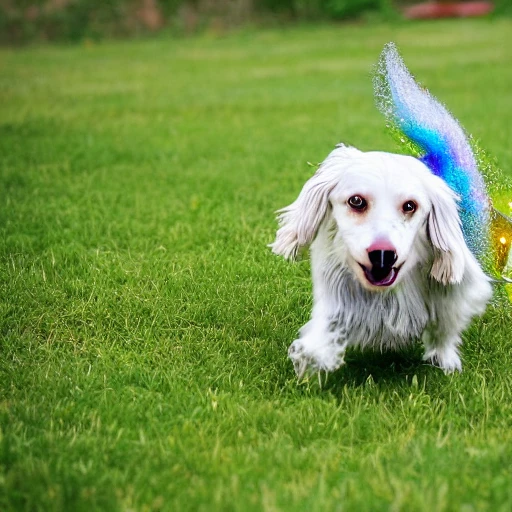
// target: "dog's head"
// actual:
[[384, 214]]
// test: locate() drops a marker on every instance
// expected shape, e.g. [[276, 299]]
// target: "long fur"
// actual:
[[440, 285]]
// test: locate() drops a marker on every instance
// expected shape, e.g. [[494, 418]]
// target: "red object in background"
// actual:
[[431, 10]]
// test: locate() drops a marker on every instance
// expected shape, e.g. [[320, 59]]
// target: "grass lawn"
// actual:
[[144, 323]]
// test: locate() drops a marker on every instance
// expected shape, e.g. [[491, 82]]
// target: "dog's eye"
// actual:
[[357, 203], [409, 207]]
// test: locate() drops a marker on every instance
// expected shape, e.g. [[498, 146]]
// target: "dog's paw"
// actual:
[[445, 358], [314, 359]]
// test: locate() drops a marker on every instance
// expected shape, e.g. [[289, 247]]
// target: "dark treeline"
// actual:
[[74, 20]]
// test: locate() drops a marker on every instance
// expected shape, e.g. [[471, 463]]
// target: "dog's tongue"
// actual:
[[381, 275]]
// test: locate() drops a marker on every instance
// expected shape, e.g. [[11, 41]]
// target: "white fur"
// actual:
[[439, 287]]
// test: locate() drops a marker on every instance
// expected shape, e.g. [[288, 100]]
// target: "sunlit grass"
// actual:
[[144, 323]]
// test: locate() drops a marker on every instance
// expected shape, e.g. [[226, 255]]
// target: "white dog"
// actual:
[[389, 261]]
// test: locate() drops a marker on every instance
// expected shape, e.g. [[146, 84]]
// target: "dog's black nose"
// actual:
[[382, 258]]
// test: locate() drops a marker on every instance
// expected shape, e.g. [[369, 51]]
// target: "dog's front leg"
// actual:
[[320, 346], [453, 315], [441, 349]]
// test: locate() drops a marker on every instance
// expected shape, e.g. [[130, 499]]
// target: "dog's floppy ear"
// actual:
[[299, 222], [444, 227]]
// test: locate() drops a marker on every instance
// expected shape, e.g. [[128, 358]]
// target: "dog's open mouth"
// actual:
[[380, 276], [382, 271]]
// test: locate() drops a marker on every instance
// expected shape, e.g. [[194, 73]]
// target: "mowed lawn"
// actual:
[[144, 323]]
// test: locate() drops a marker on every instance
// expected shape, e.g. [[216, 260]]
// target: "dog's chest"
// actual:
[[380, 320]]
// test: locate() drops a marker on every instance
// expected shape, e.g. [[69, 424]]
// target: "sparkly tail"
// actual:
[[439, 140]]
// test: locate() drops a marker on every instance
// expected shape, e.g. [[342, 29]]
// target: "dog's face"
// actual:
[[380, 206], [385, 214]]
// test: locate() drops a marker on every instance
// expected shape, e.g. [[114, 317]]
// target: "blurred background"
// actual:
[[23, 21]]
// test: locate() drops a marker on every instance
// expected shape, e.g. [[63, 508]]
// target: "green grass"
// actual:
[[144, 323]]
